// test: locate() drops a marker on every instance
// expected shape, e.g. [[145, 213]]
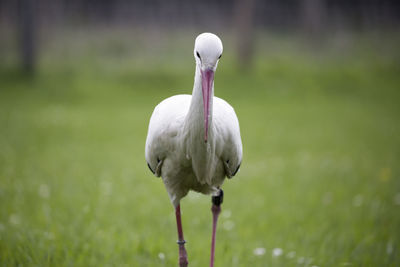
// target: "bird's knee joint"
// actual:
[[181, 242], [218, 199]]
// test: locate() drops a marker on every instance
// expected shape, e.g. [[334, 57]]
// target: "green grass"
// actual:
[[319, 179]]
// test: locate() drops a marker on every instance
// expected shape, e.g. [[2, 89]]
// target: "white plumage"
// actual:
[[193, 141]]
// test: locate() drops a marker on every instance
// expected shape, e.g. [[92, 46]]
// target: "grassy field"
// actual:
[[319, 183]]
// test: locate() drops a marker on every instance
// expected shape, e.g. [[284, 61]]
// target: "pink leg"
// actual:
[[183, 261], [216, 209]]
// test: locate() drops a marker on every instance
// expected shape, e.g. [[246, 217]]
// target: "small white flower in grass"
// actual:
[[106, 188], [277, 252], [301, 260], [259, 251], [228, 225], [48, 235], [397, 199], [358, 200], [161, 256], [14, 219], [375, 204], [314, 266], [235, 260], [226, 214], [44, 191], [100, 234], [291, 254], [86, 209], [389, 248], [327, 198]]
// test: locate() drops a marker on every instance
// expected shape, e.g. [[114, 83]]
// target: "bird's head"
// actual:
[[207, 52]]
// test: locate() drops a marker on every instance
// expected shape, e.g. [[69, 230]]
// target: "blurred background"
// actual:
[[316, 87]]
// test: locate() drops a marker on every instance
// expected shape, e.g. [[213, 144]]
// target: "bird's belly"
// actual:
[[179, 177]]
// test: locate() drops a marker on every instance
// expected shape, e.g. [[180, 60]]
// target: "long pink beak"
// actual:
[[207, 79]]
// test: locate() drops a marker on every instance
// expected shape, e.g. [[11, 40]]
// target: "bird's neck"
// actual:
[[200, 153], [194, 120]]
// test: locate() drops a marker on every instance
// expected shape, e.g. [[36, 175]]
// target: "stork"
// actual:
[[193, 141]]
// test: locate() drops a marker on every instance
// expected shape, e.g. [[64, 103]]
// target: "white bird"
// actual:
[[194, 141]]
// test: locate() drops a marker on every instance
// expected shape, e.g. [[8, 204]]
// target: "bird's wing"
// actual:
[[165, 122], [229, 143]]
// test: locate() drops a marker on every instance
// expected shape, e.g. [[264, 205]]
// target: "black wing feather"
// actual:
[[234, 173], [148, 165]]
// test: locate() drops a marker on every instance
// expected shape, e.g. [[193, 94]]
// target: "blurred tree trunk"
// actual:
[[27, 36], [243, 21], [312, 12]]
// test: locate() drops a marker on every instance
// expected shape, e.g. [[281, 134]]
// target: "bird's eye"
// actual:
[[220, 56], [198, 55]]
